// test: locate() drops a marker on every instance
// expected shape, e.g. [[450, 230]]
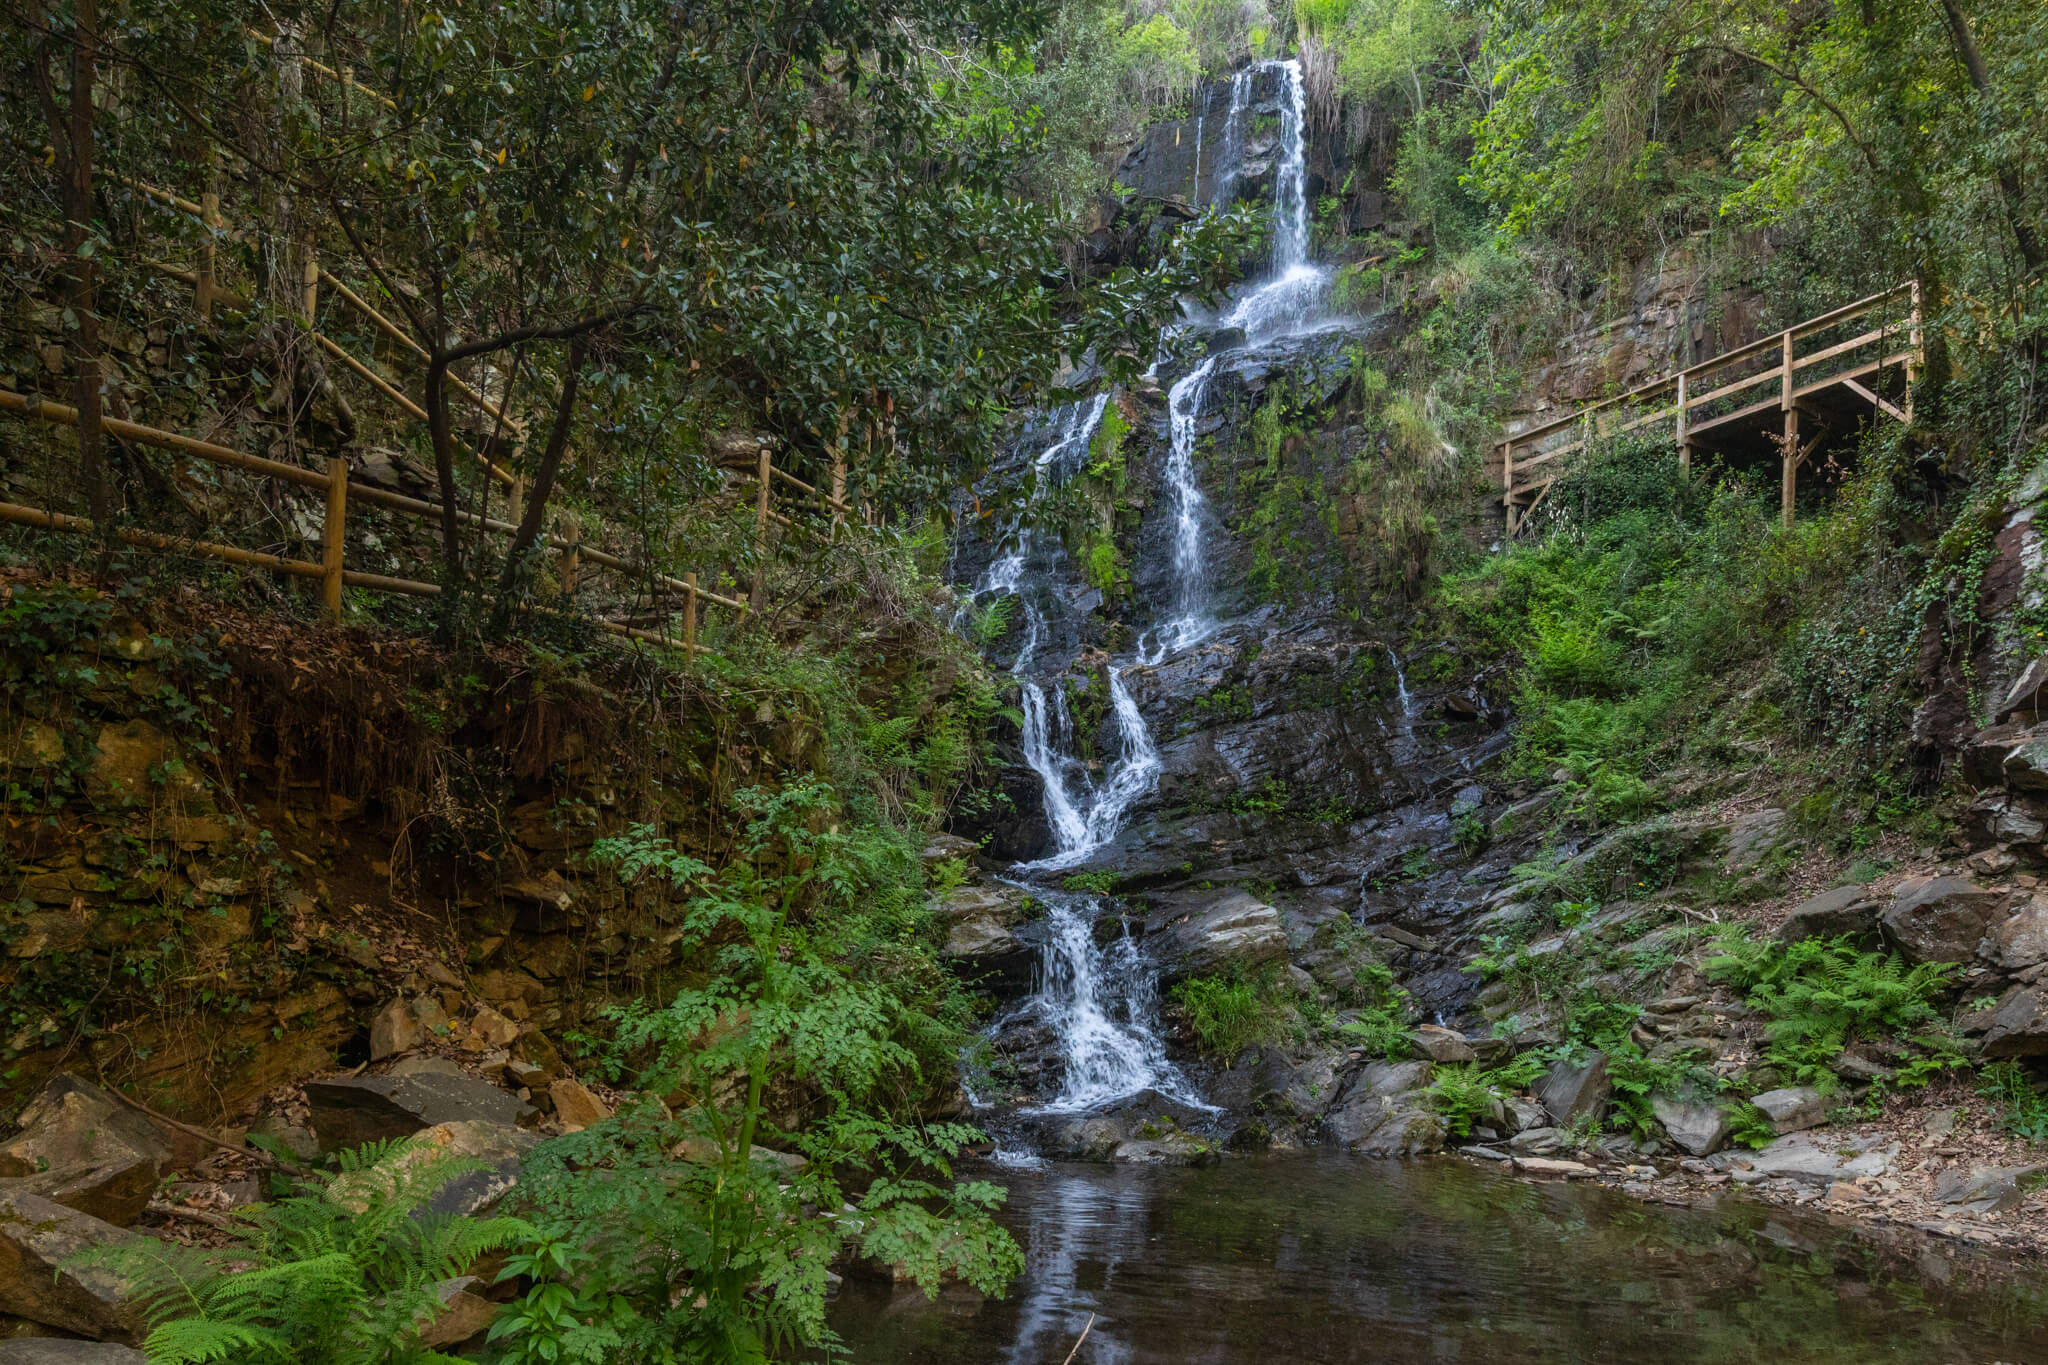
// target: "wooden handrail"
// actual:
[[1744, 352], [357, 302], [340, 489], [1784, 371], [60, 415]]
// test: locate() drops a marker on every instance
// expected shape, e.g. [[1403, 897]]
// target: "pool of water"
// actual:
[[1333, 1259]]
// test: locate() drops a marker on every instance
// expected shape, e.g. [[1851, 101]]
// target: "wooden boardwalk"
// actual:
[[1822, 376]]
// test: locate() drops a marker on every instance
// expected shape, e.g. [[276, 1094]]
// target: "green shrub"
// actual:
[[2023, 1111], [1381, 1023], [1464, 1093], [1229, 1015]]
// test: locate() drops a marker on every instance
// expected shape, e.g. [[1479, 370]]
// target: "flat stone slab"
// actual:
[[349, 1113], [1554, 1168], [55, 1351], [39, 1279], [1793, 1109]]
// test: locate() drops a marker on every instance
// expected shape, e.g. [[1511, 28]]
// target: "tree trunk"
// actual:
[[535, 515], [441, 432], [2008, 183]]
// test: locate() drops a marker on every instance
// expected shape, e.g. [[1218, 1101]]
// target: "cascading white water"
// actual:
[[1292, 294], [1102, 1003], [1190, 622], [1404, 734], [1290, 181], [1099, 1000], [1231, 161], [1081, 812]]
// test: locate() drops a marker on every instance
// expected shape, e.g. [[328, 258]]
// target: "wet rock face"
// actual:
[[1196, 159], [1209, 935]]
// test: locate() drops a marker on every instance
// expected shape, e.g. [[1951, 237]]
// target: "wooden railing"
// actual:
[[1706, 400], [339, 490], [335, 483]]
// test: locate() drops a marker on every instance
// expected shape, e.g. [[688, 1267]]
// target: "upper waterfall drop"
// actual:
[[1291, 297]]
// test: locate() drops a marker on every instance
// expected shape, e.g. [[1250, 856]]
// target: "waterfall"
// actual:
[[1404, 734], [1290, 183], [1099, 1000], [1102, 1003], [1190, 623], [1082, 813], [1292, 296], [1232, 158]]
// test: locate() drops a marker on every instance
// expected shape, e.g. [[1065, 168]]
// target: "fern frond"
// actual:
[[195, 1341]]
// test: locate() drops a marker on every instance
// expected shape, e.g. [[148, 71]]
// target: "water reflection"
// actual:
[[1326, 1259]]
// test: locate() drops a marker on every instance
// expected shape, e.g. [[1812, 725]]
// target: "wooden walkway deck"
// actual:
[[1823, 376]]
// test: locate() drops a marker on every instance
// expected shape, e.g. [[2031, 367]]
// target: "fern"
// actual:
[[344, 1273], [1821, 996]]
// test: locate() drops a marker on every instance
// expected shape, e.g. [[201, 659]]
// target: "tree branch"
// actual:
[[1795, 79]]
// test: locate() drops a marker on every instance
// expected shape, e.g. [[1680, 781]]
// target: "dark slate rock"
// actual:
[[1940, 920], [1831, 914], [348, 1113]]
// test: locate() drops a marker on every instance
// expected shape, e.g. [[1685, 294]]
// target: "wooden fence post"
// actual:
[[758, 597], [333, 535], [1788, 469], [689, 617], [1684, 446], [207, 287], [1507, 483], [572, 555], [1913, 345]]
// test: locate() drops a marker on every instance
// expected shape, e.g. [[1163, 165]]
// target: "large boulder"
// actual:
[[464, 1312], [86, 1150], [41, 1279], [1846, 910], [1984, 754], [1570, 1091], [2019, 1025], [348, 1112], [1697, 1126], [1793, 1109], [1939, 919], [1751, 839], [1387, 1111], [1233, 931], [2027, 698], [2021, 939], [2025, 768], [980, 924], [1443, 1044]]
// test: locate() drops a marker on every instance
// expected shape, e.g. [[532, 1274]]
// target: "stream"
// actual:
[[1323, 1256], [1328, 1258]]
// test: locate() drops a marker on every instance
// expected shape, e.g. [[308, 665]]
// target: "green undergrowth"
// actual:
[[1658, 623], [1229, 1014], [1822, 996], [1818, 999]]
